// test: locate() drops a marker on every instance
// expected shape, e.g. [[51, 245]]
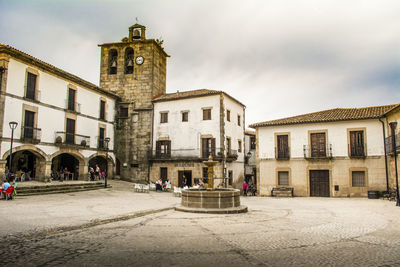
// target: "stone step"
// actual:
[[57, 191], [282, 194], [58, 188]]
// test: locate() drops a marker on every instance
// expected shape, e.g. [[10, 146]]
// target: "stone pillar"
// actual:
[[45, 171], [110, 170], [83, 170], [2, 168]]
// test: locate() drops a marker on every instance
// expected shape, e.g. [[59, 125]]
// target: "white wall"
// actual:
[[186, 135], [232, 129], [337, 136], [54, 92]]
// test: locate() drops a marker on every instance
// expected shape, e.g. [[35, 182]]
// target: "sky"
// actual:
[[279, 57]]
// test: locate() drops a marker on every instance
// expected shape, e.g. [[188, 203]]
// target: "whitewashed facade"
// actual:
[[183, 137], [62, 119], [350, 160], [250, 167]]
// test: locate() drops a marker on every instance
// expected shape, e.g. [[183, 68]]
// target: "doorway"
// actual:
[[184, 178], [319, 183]]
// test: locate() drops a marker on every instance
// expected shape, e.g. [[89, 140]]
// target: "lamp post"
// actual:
[[107, 140], [393, 125], [13, 125]]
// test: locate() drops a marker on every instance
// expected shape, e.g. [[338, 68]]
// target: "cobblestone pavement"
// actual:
[[275, 232]]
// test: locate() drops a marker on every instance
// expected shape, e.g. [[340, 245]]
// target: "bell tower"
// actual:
[[135, 70]]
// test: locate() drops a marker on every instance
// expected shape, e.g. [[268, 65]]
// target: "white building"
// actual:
[[190, 126], [250, 167], [337, 152], [62, 119]]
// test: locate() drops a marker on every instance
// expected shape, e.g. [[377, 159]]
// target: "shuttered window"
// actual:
[[358, 179], [101, 138], [283, 178], [282, 146], [208, 147], [228, 115], [102, 109], [70, 134], [28, 124], [357, 143], [31, 86], [163, 117], [239, 145], [71, 99], [185, 116], [252, 142], [318, 145], [163, 149], [207, 114]]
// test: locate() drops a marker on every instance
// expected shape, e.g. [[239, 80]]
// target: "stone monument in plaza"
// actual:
[[211, 200]]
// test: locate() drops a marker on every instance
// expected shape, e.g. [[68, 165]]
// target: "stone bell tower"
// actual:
[[135, 70]]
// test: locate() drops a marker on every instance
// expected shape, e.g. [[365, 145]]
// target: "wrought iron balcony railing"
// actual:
[[176, 154], [356, 151], [283, 153], [31, 134], [389, 144], [72, 106], [318, 154], [72, 139]]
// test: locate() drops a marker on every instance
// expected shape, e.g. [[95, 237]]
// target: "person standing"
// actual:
[[245, 188]]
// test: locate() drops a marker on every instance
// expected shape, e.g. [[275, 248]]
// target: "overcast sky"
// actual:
[[280, 58]]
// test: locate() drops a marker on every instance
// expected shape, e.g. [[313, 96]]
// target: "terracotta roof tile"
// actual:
[[330, 115]]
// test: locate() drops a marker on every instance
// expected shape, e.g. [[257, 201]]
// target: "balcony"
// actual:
[[191, 154], [102, 144], [282, 154], [63, 138], [357, 151], [31, 134], [389, 144], [317, 154], [72, 106]]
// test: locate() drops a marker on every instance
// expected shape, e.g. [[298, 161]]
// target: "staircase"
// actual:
[[58, 188]]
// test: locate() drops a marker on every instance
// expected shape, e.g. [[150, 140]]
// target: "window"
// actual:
[[358, 179], [129, 60], [31, 86], [29, 124], [164, 117], [207, 114], [230, 177], [101, 138], [102, 109], [283, 178], [208, 147], [228, 115], [164, 174], [123, 112], [205, 172], [163, 149], [112, 64], [282, 148], [239, 145], [318, 145], [252, 142], [239, 120], [185, 116], [70, 133], [229, 145], [71, 99], [357, 143]]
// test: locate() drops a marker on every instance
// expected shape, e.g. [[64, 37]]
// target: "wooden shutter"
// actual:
[[168, 144], [101, 137], [31, 86], [204, 147], [70, 136], [357, 143], [102, 109], [213, 146], [318, 145], [71, 99], [28, 124], [158, 148], [283, 178], [283, 146]]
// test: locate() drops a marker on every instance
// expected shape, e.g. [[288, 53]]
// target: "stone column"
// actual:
[[45, 171], [83, 170], [2, 168], [110, 170]]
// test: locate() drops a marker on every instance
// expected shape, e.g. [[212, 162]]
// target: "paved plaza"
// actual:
[[117, 227]]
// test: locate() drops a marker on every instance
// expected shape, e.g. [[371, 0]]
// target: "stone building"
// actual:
[[338, 152], [189, 127], [63, 120], [135, 70], [250, 167]]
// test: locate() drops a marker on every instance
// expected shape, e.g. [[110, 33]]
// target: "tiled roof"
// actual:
[[41, 64], [330, 115], [190, 94], [250, 132]]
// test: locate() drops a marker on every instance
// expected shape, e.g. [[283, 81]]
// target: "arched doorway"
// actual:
[[26, 165], [65, 167], [100, 161]]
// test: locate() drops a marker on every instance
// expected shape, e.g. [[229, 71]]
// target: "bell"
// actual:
[[136, 34], [130, 62], [114, 64]]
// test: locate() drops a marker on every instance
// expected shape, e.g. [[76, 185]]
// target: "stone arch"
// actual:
[[112, 61], [78, 167], [37, 151], [110, 162]]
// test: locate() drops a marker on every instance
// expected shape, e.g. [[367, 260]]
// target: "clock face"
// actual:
[[139, 60]]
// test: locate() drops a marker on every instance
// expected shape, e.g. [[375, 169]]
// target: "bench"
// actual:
[[282, 192]]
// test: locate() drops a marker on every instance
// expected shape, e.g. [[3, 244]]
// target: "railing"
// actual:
[[356, 151], [175, 154], [389, 143], [72, 139], [35, 95], [282, 153], [73, 106], [31, 134], [101, 144], [309, 155]]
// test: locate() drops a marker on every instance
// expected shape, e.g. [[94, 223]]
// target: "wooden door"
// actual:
[[70, 134], [283, 146], [28, 124], [318, 145], [319, 183], [71, 99]]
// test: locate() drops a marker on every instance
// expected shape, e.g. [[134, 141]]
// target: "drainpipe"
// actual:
[[384, 147]]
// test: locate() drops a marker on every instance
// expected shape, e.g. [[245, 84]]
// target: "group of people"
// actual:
[[6, 184], [20, 175], [96, 173], [249, 188], [162, 186]]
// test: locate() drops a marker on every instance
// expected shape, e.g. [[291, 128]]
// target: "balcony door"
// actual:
[[70, 133], [71, 99], [318, 145], [28, 124], [208, 147]]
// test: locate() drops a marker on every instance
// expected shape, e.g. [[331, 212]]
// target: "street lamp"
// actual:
[[107, 140], [13, 125], [393, 125]]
